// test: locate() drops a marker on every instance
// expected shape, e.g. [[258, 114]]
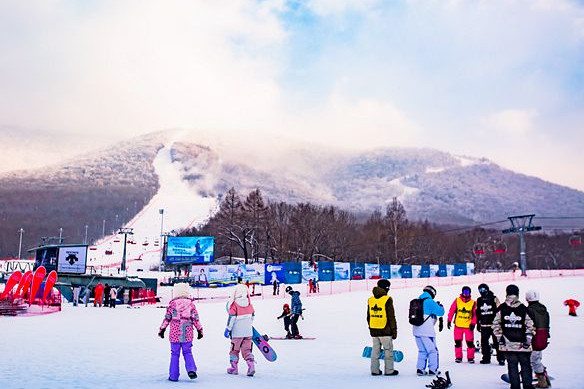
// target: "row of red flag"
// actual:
[[29, 282]]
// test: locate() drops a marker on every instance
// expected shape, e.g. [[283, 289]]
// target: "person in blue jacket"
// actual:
[[425, 334], [296, 311]]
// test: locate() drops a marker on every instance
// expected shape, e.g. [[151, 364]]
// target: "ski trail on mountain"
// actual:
[[183, 207]]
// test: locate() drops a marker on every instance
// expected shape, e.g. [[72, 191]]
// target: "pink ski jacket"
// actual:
[[181, 315]]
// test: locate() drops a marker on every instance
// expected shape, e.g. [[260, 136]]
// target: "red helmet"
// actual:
[[286, 306]]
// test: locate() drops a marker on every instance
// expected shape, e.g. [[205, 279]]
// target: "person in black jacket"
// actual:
[[487, 306], [541, 321], [382, 327]]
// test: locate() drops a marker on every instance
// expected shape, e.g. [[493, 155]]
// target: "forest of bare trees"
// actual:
[[256, 229]]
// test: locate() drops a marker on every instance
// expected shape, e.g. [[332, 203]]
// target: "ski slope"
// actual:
[[183, 207], [119, 348]]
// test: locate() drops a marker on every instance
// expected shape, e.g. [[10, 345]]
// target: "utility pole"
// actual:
[[20, 242], [162, 245], [60, 235], [125, 232], [522, 224], [86, 227], [116, 224], [103, 229]]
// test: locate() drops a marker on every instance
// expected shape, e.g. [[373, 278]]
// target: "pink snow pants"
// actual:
[[243, 344], [459, 334]]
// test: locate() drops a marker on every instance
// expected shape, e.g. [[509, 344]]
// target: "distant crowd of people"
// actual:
[[104, 295]]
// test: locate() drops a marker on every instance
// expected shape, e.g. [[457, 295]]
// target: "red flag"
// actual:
[[51, 280], [37, 279], [24, 283], [13, 280]]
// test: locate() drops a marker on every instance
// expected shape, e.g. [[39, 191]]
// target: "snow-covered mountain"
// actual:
[[146, 172]]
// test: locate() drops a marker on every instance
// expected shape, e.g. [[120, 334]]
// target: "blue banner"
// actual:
[[293, 272], [442, 271], [275, 271], [406, 271], [189, 249], [357, 271], [326, 271], [385, 271], [425, 271], [460, 269]]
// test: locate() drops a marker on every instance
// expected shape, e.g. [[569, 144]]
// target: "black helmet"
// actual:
[[384, 284], [483, 289], [289, 289], [430, 290], [512, 290]]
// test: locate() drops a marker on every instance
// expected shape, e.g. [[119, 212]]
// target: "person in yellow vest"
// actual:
[[382, 327], [464, 312]]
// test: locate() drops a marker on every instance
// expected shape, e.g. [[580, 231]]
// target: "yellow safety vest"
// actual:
[[463, 313], [377, 312]]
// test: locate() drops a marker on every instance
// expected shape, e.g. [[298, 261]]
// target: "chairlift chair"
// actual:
[[575, 240]]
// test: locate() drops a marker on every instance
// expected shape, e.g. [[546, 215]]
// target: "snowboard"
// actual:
[[505, 377], [285, 338], [398, 355], [262, 344]]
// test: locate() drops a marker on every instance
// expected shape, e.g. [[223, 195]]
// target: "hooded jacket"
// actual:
[[487, 306], [241, 313], [296, 304], [432, 310], [181, 315], [390, 328], [512, 302]]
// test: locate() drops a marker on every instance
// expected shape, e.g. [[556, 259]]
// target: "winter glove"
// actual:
[[199, 334], [440, 324], [227, 333], [394, 337], [449, 325], [479, 328], [161, 332], [471, 327], [525, 345]]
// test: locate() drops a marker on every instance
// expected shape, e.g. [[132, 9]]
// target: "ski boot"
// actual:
[[458, 360], [250, 368], [192, 375], [420, 372], [298, 336], [289, 335], [233, 368]]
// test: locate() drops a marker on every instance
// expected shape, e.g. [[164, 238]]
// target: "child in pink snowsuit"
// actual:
[[464, 309], [181, 315], [240, 329]]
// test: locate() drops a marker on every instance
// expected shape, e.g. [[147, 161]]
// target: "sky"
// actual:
[[497, 79]]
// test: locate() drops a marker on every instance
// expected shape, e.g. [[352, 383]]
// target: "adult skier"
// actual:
[[182, 316], [463, 311], [382, 327], [425, 333], [487, 306], [295, 311], [514, 329], [541, 321], [240, 329]]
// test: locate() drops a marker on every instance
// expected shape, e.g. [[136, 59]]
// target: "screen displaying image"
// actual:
[[190, 249]]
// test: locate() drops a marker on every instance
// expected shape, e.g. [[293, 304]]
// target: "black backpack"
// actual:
[[416, 315]]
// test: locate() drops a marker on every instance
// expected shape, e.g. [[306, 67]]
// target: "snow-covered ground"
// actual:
[[183, 207], [119, 348]]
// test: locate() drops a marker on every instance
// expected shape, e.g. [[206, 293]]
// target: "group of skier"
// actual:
[[518, 333]]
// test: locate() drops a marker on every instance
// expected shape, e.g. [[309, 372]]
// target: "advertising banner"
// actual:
[[357, 271], [293, 272], [450, 270], [385, 271], [425, 271], [460, 269], [189, 249], [274, 271], [309, 272], [406, 271], [435, 271], [342, 271], [200, 274], [416, 270], [470, 268], [326, 271], [442, 271], [72, 260], [396, 271], [254, 273], [372, 271]]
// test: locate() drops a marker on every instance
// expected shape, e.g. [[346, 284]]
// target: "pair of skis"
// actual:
[[29, 280]]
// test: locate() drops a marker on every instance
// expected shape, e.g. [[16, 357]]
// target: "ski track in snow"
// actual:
[[183, 207], [119, 348]]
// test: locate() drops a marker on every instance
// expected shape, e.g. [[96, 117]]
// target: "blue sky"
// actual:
[[496, 79]]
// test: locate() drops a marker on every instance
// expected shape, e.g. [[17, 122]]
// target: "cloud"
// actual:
[[512, 121]]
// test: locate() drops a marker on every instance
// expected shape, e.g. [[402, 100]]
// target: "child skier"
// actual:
[[464, 308], [240, 329], [182, 316], [541, 321], [382, 327], [286, 315], [425, 333], [487, 306], [296, 311], [572, 305], [514, 329]]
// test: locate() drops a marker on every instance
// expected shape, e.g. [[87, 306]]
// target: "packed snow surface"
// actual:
[[119, 348]]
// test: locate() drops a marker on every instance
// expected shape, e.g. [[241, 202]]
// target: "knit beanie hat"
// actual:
[[532, 295], [181, 289], [384, 284], [512, 290]]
